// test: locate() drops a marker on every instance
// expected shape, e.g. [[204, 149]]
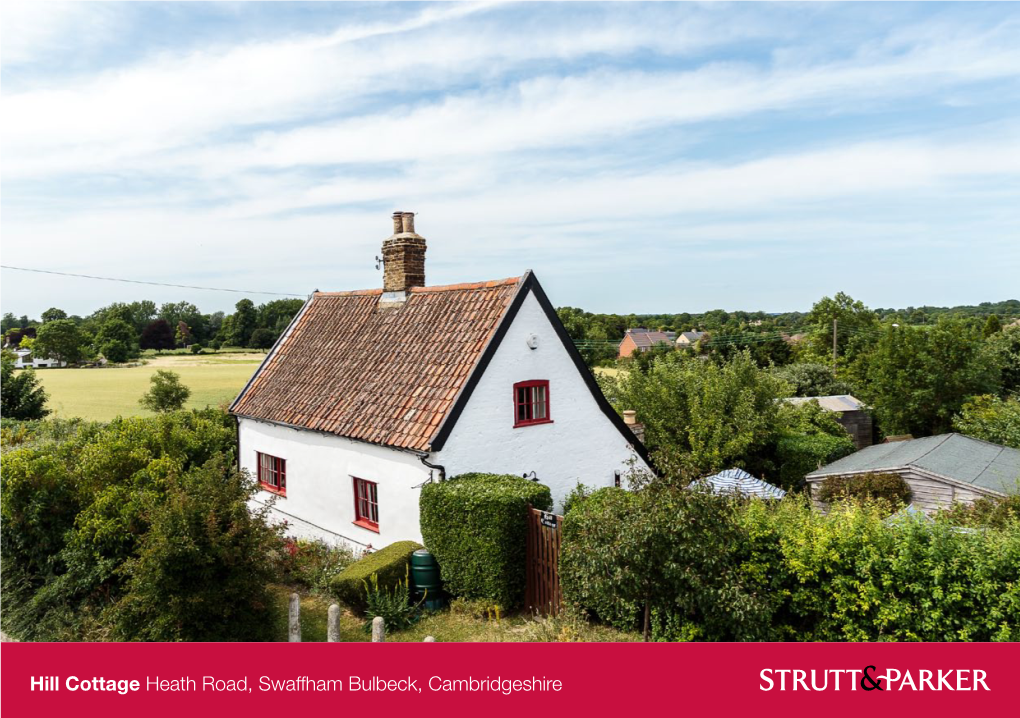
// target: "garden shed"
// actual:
[[940, 470]]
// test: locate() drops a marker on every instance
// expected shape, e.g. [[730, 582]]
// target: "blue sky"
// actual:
[[640, 158]]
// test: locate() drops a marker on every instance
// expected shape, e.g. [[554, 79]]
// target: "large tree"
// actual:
[[61, 339], [245, 321], [701, 416], [53, 314], [116, 340], [852, 320], [21, 397], [918, 378], [157, 335]]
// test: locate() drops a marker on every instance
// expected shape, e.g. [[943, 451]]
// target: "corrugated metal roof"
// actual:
[[836, 402], [954, 456], [738, 481]]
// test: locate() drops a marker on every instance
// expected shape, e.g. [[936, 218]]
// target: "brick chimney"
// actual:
[[403, 258], [630, 419]]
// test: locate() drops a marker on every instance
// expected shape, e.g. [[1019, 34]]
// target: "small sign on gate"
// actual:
[[548, 520]]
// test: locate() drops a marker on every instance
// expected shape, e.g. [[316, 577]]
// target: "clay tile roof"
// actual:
[[386, 376]]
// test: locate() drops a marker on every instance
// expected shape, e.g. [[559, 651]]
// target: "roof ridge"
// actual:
[[944, 439], [484, 284]]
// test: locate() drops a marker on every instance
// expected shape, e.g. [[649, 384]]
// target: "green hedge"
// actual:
[[389, 564], [476, 527], [800, 454], [782, 571]]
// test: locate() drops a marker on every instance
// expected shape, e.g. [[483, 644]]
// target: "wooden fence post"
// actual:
[[378, 630], [333, 624], [294, 623]]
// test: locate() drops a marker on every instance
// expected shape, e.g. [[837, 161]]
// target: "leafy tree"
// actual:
[[1004, 348], [116, 340], [276, 315], [166, 392], [993, 325], [262, 338], [852, 319], [183, 336], [21, 397], [202, 567], [701, 416], [991, 419], [660, 557], [919, 378], [53, 314], [61, 339], [812, 380], [245, 321], [157, 335]]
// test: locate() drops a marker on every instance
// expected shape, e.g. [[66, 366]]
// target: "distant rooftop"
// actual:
[[951, 456], [836, 402]]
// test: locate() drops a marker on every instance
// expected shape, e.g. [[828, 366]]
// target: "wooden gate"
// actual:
[[542, 591]]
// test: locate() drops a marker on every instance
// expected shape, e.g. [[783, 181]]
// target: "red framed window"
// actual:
[[531, 403], [366, 504], [272, 473]]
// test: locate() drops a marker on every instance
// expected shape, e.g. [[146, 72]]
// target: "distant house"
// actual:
[[27, 360], [853, 415], [685, 339], [940, 470], [641, 340]]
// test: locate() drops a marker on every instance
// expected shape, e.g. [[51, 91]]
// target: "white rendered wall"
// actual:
[[581, 445], [320, 492]]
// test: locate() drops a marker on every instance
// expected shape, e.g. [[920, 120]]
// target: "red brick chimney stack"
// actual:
[[403, 257]]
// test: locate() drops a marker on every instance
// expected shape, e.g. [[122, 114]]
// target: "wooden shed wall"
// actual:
[[928, 493]]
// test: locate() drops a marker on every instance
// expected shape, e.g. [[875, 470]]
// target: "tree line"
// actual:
[[706, 410], [119, 332]]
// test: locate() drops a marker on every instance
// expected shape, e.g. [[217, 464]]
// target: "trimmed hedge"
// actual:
[[388, 564], [476, 527]]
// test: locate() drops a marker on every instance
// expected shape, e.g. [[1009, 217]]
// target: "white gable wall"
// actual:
[[580, 445], [320, 488]]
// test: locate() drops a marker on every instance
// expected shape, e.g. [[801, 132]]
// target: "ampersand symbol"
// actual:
[[873, 683]]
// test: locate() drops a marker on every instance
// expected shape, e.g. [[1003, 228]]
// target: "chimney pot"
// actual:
[[398, 222], [408, 221], [629, 416]]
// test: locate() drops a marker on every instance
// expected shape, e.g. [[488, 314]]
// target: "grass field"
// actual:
[[106, 393]]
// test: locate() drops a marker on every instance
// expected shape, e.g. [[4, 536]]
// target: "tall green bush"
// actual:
[[661, 555], [127, 530], [476, 526]]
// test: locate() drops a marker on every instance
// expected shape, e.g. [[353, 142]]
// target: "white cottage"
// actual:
[[369, 394]]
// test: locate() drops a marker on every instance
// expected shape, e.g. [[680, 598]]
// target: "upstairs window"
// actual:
[[531, 403], [272, 473], [366, 504]]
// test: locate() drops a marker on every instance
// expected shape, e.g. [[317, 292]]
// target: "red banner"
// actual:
[[451, 679]]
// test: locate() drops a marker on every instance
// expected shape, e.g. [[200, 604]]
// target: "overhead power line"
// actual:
[[154, 284]]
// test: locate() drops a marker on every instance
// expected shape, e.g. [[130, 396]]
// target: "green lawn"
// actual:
[[103, 394]]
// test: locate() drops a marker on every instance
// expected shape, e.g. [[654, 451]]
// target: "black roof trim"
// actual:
[[529, 283]]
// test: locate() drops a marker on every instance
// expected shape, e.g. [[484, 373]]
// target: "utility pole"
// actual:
[[834, 345]]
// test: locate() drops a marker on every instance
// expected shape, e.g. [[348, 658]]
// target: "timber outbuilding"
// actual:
[[940, 470]]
